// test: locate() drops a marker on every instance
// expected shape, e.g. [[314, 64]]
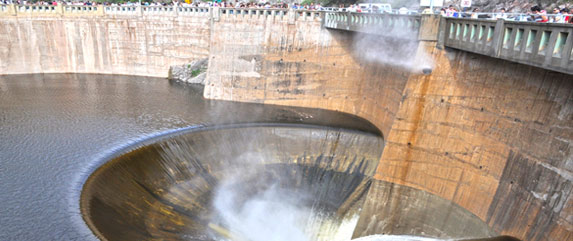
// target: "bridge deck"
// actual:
[[544, 45]]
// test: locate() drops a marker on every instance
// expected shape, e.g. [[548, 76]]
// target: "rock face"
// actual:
[[194, 72]]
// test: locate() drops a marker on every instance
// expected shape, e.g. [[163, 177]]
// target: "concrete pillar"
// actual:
[[100, 11], [60, 9], [12, 10], [139, 10], [291, 16], [215, 14], [348, 20], [442, 33], [429, 27], [498, 35]]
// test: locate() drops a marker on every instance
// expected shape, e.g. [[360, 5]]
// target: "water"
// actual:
[[56, 129], [248, 182]]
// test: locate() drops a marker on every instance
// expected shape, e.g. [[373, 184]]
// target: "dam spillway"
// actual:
[[193, 185], [256, 182]]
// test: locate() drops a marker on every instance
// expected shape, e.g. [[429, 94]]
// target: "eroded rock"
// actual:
[[194, 72]]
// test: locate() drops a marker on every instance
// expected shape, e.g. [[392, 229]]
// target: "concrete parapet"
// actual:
[[216, 12], [429, 27], [7, 10], [159, 10], [371, 23], [239, 13], [37, 10], [542, 45], [82, 10], [545, 45], [185, 11], [122, 10]]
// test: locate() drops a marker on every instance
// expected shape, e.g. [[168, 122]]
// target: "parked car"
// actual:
[[375, 7]]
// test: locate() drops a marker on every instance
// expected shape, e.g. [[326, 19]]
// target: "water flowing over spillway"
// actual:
[[244, 183], [258, 182]]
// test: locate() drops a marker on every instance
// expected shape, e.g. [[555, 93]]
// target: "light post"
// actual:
[[431, 6]]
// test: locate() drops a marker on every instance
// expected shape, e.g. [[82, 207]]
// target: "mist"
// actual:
[[258, 203], [255, 202], [272, 215], [395, 47]]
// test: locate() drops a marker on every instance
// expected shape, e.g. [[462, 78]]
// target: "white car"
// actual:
[[375, 7]]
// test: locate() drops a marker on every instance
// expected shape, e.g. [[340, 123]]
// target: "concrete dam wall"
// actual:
[[127, 45], [492, 136]]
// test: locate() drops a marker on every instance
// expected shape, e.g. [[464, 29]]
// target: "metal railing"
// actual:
[[543, 45]]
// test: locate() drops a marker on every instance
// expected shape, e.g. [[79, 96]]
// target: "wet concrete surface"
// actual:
[[190, 185]]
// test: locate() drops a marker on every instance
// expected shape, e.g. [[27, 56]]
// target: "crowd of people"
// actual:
[[536, 14], [225, 4]]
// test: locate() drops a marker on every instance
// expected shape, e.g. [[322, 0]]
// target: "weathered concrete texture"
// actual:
[[494, 137], [400, 210], [449, 133], [115, 45], [300, 65], [194, 72]]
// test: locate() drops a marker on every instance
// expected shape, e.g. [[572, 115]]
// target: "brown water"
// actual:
[[56, 129]]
